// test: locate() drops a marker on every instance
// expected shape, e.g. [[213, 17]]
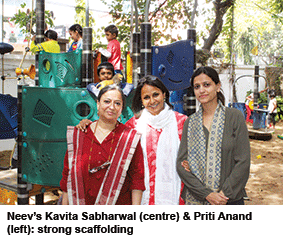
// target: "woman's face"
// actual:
[[110, 106], [152, 99], [74, 35], [205, 89]]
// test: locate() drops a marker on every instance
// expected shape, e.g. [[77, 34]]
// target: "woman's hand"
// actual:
[[185, 164], [136, 197], [65, 200], [83, 125], [217, 198]]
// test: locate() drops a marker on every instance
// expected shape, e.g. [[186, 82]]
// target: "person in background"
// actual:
[[50, 45], [76, 33], [214, 155], [105, 164], [249, 103], [113, 53], [105, 71], [249, 99], [272, 108]]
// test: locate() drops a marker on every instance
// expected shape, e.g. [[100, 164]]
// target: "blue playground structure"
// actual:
[[8, 117]]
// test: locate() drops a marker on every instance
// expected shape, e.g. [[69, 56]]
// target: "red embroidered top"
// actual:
[[152, 137], [99, 154]]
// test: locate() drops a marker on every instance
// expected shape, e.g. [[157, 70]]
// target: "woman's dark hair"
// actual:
[[152, 81], [107, 66], [77, 28], [209, 71], [112, 29], [51, 34], [109, 88]]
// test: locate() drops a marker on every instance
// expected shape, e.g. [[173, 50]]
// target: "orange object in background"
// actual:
[[96, 62], [28, 72]]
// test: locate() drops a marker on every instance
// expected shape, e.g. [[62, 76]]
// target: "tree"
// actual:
[[26, 19], [256, 26], [80, 18], [221, 8], [174, 15]]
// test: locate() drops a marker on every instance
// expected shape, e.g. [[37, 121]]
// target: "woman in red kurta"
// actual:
[[161, 130], [87, 174]]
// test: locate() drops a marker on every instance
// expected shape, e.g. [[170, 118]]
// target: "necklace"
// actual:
[[108, 162]]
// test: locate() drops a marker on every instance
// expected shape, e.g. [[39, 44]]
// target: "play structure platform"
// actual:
[[260, 134]]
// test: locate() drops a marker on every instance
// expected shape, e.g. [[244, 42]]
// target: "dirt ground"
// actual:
[[265, 185]]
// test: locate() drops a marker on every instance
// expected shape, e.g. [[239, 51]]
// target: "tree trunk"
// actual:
[[221, 8]]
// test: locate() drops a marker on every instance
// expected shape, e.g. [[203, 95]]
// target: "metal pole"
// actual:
[[145, 50], [3, 77], [136, 55], [23, 194], [40, 27], [87, 14], [87, 57], [147, 4], [2, 21], [256, 93], [190, 98]]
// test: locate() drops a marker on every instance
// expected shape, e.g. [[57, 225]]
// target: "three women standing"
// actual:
[[214, 155]]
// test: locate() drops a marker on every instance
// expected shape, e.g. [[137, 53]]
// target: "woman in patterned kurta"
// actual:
[[214, 154], [161, 130]]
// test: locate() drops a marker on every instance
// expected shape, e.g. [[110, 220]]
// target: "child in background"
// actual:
[[76, 33], [50, 45], [105, 71], [249, 99], [272, 108], [249, 103], [113, 48]]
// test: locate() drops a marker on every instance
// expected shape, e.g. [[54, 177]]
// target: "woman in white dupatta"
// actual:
[[214, 155], [161, 129]]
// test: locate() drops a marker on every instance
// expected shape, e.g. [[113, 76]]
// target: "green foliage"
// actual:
[[255, 24], [279, 115], [244, 43], [163, 15], [262, 97], [80, 18], [24, 18]]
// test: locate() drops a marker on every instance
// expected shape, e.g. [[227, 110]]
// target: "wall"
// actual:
[[243, 84]]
